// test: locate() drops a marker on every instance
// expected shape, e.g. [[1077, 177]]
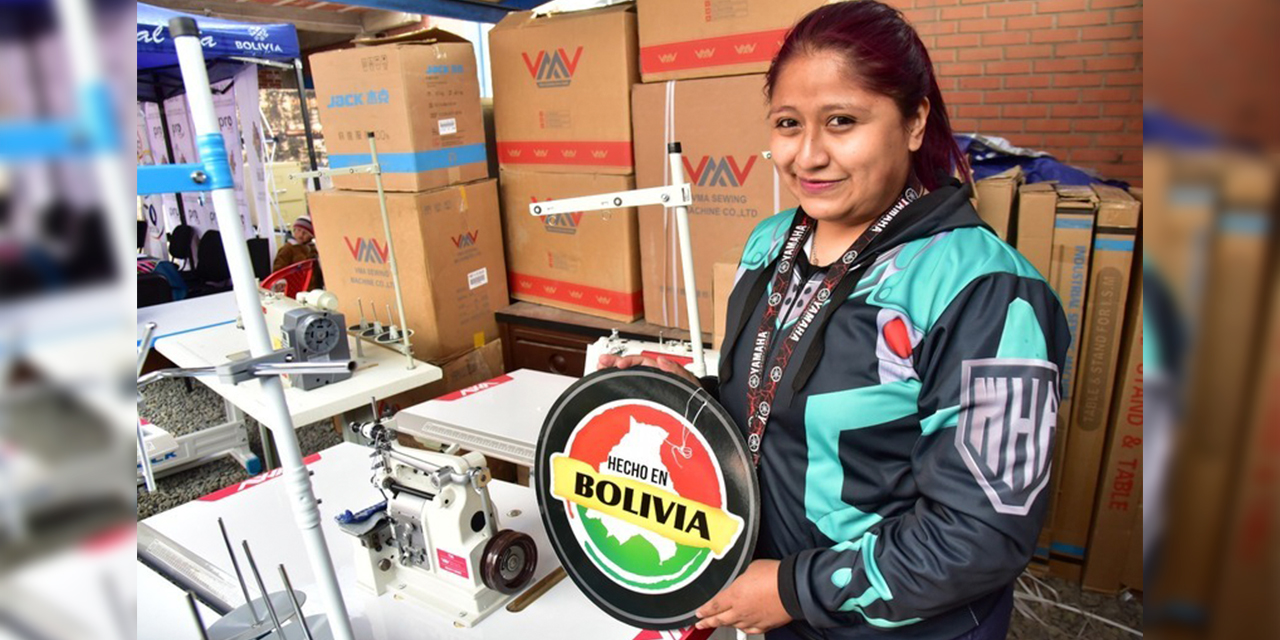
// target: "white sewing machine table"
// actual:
[[380, 373], [258, 510]]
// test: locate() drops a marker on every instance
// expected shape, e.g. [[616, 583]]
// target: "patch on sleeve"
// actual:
[[1005, 433]]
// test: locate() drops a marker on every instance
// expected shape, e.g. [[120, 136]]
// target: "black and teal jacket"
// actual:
[[904, 465]]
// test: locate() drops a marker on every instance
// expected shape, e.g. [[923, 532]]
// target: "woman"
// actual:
[[301, 246], [893, 364]]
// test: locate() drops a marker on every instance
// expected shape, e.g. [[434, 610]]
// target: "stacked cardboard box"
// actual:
[[997, 202], [1216, 513], [702, 51], [681, 39], [562, 85], [1095, 377], [1117, 515], [420, 102], [720, 124], [1070, 213]]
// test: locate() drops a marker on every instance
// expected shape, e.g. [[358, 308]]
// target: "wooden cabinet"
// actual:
[[553, 340]]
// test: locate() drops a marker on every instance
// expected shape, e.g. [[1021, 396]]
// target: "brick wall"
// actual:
[[273, 78], [1064, 76]]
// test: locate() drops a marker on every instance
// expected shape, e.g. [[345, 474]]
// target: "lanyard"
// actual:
[[762, 386]]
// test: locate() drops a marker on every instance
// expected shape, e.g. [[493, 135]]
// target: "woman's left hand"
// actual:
[[751, 603]]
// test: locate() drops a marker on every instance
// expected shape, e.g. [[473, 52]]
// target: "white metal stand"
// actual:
[[677, 195], [376, 169], [306, 513]]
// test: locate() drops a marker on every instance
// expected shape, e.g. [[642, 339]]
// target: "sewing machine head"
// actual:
[[436, 537]]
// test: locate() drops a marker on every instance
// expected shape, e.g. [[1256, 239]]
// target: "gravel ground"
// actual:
[[168, 403]]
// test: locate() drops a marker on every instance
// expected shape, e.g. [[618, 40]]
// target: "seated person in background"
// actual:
[[300, 247]]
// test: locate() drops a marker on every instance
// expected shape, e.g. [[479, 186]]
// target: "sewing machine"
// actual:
[[436, 539], [677, 351]]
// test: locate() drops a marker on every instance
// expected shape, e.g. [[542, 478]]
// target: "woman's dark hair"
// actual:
[[884, 52]]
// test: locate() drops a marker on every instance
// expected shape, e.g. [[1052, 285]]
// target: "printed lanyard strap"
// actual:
[[762, 381]]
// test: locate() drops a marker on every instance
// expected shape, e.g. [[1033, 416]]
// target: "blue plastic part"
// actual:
[[29, 140], [347, 517], [414, 162], [98, 118], [253, 465], [171, 178], [213, 155]]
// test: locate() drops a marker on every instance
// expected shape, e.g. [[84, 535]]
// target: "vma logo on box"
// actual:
[[552, 68], [561, 222], [720, 172], [466, 240], [366, 250]]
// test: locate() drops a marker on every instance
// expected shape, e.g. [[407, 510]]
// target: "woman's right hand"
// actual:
[[608, 360]]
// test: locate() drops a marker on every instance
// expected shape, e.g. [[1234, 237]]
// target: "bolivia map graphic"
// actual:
[[657, 514]]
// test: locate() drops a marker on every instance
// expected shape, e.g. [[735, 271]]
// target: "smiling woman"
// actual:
[[901, 359]]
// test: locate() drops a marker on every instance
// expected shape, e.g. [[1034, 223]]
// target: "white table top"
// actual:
[[192, 314], [259, 511], [381, 373], [500, 418]]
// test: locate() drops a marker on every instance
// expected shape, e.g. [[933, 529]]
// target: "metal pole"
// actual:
[[686, 260], [248, 599], [293, 599], [297, 480], [391, 249], [306, 117], [262, 588], [195, 613]]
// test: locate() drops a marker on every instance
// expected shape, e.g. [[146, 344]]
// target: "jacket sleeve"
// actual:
[[284, 257], [989, 388]]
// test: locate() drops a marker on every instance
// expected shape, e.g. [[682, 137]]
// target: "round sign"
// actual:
[[647, 491]]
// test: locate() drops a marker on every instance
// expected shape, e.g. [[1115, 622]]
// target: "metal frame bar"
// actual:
[[195, 77]]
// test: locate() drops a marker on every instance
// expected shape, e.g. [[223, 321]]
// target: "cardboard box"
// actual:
[[1069, 277], [721, 126], [680, 39], [448, 245], [422, 101], [1037, 205], [562, 90], [723, 275], [1248, 583], [1095, 379], [459, 371], [1116, 519], [587, 262], [1223, 375], [997, 202]]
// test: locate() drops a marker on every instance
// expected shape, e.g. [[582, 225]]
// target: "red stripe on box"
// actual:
[[712, 52], [253, 482], [587, 154], [577, 294]]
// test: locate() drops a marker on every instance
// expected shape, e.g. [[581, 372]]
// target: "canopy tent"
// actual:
[[473, 10], [228, 46]]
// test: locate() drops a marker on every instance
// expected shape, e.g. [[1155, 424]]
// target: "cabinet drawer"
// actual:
[[543, 350]]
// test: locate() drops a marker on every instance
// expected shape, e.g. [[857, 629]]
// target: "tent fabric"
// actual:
[[487, 11], [226, 44]]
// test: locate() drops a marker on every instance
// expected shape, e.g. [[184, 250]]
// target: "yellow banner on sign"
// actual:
[[678, 519]]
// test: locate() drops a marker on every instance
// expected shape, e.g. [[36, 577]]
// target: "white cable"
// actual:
[[1019, 595]]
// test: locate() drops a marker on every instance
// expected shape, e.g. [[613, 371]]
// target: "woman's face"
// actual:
[[844, 151]]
